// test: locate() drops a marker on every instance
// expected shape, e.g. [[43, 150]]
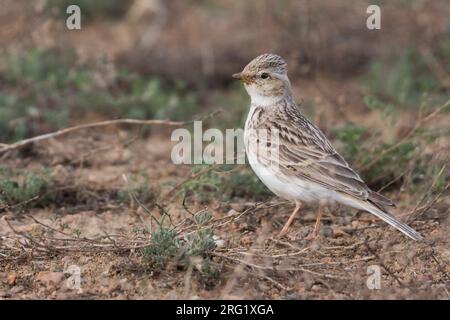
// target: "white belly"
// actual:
[[291, 188]]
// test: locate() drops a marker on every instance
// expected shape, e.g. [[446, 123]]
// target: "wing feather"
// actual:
[[307, 154]]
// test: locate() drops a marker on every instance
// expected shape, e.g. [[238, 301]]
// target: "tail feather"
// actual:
[[388, 218], [379, 199]]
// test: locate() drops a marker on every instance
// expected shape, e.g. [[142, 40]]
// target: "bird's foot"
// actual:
[[285, 229], [312, 235], [282, 233]]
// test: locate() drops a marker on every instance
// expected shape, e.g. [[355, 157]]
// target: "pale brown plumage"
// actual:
[[305, 152], [309, 168]]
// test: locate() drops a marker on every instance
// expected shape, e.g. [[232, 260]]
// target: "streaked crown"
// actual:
[[267, 61]]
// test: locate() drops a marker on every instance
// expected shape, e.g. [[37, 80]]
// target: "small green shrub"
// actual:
[[376, 161], [350, 137], [141, 188], [403, 82], [19, 186], [166, 245], [163, 247], [46, 69], [47, 88], [204, 186], [234, 103], [402, 158], [428, 175], [244, 184], [201, 242], [223, 184]]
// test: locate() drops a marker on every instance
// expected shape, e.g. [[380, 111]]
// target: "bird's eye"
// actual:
[[264, 75]]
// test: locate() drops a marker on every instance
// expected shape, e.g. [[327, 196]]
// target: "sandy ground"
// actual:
[[251, 262]]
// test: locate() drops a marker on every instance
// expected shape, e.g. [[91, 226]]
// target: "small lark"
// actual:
[[309, 169]]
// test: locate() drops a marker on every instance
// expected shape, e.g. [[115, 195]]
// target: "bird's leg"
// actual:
[[291, 218], [316, 230]]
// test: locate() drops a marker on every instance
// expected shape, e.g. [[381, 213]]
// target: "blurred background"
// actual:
[[173, 60], [379, 95]]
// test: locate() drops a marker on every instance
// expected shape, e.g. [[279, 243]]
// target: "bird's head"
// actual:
[[265, 79]]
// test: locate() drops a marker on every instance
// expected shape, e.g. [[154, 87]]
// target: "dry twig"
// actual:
[[5, 148], [419, 122]]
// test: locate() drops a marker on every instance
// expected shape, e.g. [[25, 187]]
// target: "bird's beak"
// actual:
[[245, 78], [238, 76]]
